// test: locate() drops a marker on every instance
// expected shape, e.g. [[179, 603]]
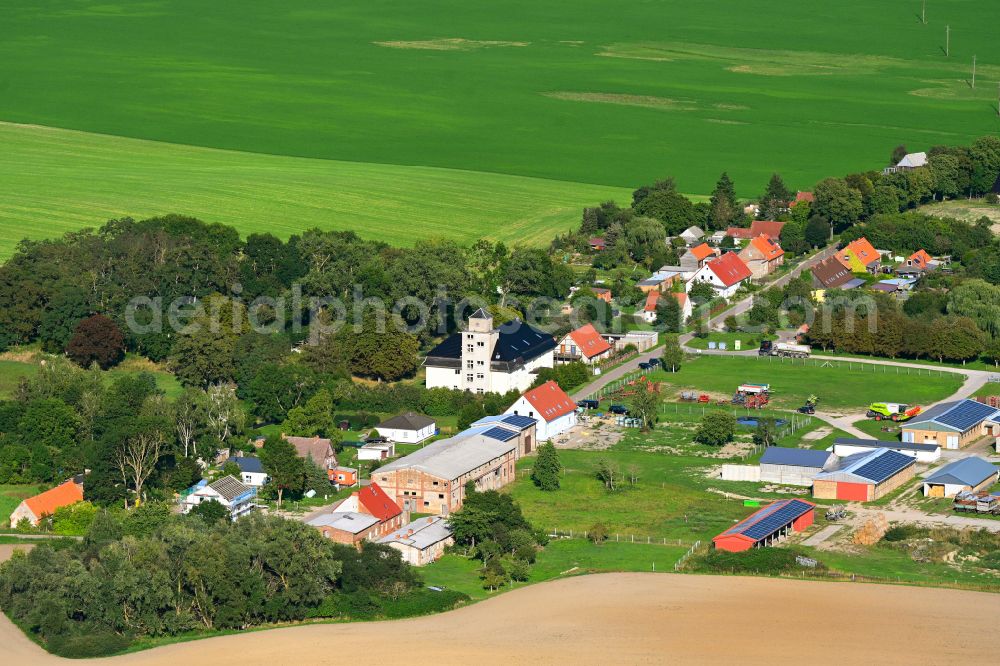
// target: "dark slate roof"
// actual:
[[969, 471], [407, 421], [873, 467], [777, 455], [248, 464], [885, 444], [230, 488], [516, 340]]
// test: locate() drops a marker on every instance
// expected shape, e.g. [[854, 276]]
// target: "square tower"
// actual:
[[478, 343]]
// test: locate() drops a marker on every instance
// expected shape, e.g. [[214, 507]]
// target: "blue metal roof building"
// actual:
[[767, 525], [972, 473], [952, 425]]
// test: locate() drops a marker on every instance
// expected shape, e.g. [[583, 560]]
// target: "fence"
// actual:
[[684, 558], [876, 368], [556, 533]]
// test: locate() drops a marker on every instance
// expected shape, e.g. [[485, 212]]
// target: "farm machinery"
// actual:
[[892, 411], [694, 396], [635, 386], [752, 396], [977, 502], [810, 406]]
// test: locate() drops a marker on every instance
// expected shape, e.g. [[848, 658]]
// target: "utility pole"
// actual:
[[947, 40], [923, 12], [973, 72]]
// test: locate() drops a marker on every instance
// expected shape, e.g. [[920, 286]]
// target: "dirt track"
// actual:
[[622, 618]]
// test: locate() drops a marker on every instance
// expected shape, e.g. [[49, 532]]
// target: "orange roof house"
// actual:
[[860, 256], [804, 196], [762, 255], [586, 343], [368, 513], [729, 268], [920, 259], [739, 233], [602, 294], [44, 504]]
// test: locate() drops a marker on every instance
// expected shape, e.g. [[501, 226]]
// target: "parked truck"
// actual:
[[785, 349]]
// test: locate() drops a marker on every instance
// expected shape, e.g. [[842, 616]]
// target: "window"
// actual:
[[468, 364], [435, 483], [480, 363], [468, 378], [479, 390], [468, 336], [480, 375], [426, 503], [440, 496], [480, 344], [469, 348]]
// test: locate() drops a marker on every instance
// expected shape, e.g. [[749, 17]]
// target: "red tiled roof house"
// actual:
[[584, 344], [367, 514], [554, 411], [724, 274]]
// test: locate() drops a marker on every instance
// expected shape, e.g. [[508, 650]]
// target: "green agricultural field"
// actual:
[[11, 496], [839, 385], [100, 177], [608, 94]]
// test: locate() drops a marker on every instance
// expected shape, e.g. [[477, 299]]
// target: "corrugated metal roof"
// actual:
[[776, 455], [969, 471], [425, 533], [451, 458], [347, 521]]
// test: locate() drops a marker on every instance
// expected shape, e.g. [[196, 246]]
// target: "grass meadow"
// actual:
[[840, 385], [608, 94]]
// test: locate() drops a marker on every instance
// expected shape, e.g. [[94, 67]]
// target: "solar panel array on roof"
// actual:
[[966, 414], [770, 519], [884, 466], [500, 434], [519, 421]]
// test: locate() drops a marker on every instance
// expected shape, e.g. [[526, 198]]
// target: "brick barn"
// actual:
[[865, 477], [767, 525]]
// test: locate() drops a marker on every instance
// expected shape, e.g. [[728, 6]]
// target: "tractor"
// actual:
[[810, 406]]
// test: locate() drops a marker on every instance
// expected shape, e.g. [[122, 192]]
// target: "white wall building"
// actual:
[[725, 274], [227, 491], [484, 359], [409, 428], [251, 471], [554, 411], [377, 451]]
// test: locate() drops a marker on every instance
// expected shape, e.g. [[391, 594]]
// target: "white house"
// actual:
[[849, 446], [237, 497], [409, 428], [554, 411], [584, 344], [377, 451], [725, 274], [909, 161], [484, 359], [251, 471]]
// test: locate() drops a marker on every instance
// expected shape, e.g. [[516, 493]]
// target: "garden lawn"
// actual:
[[11, 496], [838, 384], [11, 374], [747, 340]]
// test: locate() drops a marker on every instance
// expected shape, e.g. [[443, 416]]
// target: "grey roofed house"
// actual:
[[970, 471], [248, 464], [692, 234], [407, 421], [229, 488], [421, 533], [451, 458], [777, 455], [347, 521]]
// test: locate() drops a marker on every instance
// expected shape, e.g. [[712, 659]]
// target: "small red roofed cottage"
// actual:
[[724, 274], [554, 411], [44, 504], [584, 344]]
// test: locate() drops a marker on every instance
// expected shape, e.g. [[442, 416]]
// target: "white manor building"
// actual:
[[484, 359]]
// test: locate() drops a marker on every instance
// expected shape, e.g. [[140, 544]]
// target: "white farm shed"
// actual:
[[793, 467], [924, 453]]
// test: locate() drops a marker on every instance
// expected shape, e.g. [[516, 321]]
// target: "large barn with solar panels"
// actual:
[[432, 479], [953, 425], [865, 477], [767, 526]]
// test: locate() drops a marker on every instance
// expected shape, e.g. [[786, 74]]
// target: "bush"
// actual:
[[598, 533], [902, 533], [756, 561], [94, 643]]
